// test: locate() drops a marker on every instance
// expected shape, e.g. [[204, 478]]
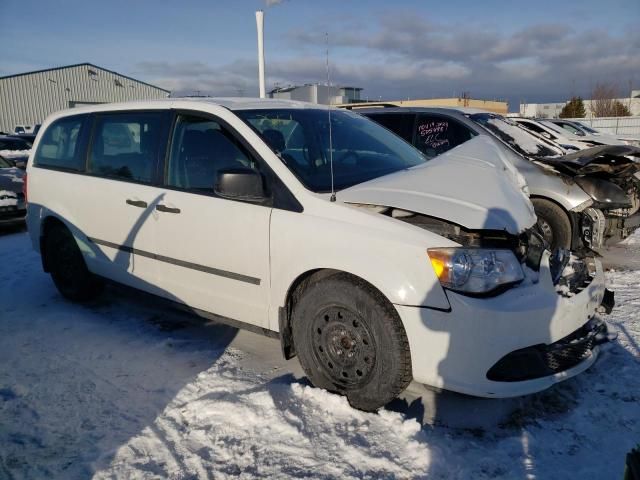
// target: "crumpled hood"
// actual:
[[617, 160], [467, 185]]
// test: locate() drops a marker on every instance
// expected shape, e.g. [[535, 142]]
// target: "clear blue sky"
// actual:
[[532, 51]]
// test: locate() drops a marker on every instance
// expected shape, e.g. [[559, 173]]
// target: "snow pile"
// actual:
[[227, 426], [8, 198], [633, 239], [14, 153]]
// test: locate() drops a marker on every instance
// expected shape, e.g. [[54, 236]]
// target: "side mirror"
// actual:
[[240, 184]]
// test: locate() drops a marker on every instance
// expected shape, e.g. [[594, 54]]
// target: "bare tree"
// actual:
[[603, 100]]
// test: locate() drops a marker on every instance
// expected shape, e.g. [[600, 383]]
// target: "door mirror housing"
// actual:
[[240, 184]]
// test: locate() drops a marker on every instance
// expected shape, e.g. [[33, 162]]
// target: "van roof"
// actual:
[[249, 103], [232, 103]]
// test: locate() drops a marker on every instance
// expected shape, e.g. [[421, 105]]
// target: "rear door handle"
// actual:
[[163, 208], [137, 203]]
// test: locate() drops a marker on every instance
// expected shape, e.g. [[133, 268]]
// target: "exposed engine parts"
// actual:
[[593, 224]]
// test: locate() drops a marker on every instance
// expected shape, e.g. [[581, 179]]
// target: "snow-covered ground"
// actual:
[[126, 389]]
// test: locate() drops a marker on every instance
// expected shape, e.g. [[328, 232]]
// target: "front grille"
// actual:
[[568, 356], [540, 361]]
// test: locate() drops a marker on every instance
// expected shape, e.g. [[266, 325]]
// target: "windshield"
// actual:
[[568, 127], [362, 150], [513, 135], [9, 143], [587, 129]]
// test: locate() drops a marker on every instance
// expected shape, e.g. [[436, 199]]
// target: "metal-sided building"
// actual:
[[27, 98], [317, 93]]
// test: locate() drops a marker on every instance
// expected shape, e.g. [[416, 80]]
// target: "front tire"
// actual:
[[553, 222], [67, 266], [351, 341]]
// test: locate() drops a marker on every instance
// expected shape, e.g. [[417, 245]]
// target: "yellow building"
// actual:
[[489, 105]]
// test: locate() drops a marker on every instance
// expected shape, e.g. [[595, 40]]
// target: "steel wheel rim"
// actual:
[[343, 346]]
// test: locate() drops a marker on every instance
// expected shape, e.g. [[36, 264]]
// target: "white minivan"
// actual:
[[371, 264]]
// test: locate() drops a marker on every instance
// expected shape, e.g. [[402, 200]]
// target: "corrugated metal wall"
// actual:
[[28, 99]]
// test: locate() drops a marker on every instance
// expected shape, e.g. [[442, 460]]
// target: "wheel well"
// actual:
[[47, 224], [573, 217], [297, 288]]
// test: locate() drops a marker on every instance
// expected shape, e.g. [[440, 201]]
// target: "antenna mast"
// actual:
[[333, 192]]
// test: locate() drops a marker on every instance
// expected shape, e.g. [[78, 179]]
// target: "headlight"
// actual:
[[475, 270], [604, 192]]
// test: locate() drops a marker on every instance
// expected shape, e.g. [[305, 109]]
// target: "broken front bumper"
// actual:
[[545, 360], [456, 350]]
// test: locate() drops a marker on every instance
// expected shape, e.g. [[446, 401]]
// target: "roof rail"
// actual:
[[352, 106]]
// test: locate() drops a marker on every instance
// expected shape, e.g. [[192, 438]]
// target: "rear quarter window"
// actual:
[[436, 134], [60, 146]]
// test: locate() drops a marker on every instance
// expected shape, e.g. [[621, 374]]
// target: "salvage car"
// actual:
[[601, 138], [607, 174], [372, 264], [14, 150], [12, 205], [566, 140], [590, 139], [586, 199], [28, 138]]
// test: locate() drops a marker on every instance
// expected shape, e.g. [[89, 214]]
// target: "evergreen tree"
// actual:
[[620, 109], [574, 108]]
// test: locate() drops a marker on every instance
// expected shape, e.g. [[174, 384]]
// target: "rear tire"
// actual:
[[68, 268], [553, 222], [351, 341]]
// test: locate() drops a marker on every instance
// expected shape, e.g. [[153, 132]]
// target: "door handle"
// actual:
[[164, 208], [137, 203]]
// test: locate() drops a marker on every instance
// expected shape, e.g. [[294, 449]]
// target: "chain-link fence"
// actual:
[[613, 125]]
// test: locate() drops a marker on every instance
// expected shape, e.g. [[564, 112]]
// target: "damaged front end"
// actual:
[[571, 272], [528, 246], [610, 175], [542, 328]]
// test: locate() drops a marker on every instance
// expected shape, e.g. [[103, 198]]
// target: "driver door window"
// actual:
[[201, 148]]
